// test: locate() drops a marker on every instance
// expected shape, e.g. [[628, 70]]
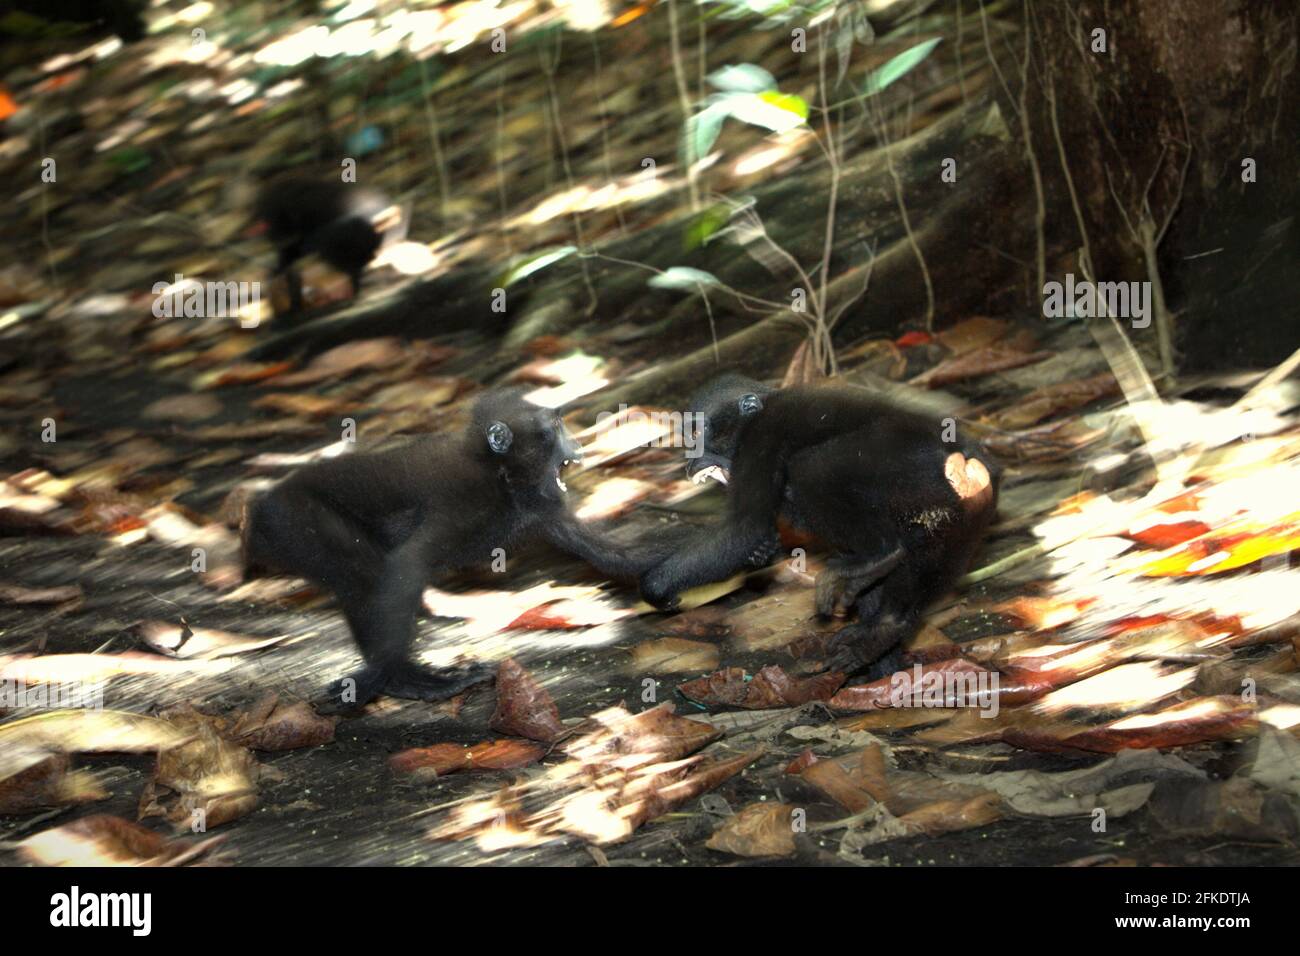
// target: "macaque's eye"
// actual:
[[499, 437], [750, 403]]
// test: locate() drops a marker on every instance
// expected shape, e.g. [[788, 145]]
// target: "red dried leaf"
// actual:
[[1191, 722], [907, 683], [802, 762], [103, 840], [543, 618], [451, 758], [1168, 535], [909, 339], [524, 708], [977, 363], [46, 781], [271, 725], [770, 687]]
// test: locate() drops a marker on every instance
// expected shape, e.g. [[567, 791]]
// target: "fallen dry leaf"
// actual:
[[760, 829], [657, 731], [705, 776], [770, 687], [977, 363], [272, 725], [802, 762], [241, 373], [524, 708], [1051, 400], [184, 408], [343, 360], [443, 759], [208, 777], [856, 781], [947, 683], [104, 840], [974, 333], [186, 643], [32, 779], [92, 668], [669, 655], [1190, 722], [91, 731], [947, 816], [303, 404]]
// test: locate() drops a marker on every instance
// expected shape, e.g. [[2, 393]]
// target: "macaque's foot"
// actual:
[[408, 681], [876, 645], [414, 682], [851, 660], [831, 590], [352, 692], [845, 579]]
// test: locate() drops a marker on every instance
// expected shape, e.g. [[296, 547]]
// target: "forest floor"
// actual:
[[99, 585]]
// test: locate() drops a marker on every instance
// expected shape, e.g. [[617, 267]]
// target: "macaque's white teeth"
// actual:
[[713, 471], [563, 486]]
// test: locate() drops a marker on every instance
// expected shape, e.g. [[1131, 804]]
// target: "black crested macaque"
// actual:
[[340, 222], [901, 508], [373, 527]]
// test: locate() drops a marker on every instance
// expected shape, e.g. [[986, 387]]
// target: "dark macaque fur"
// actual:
[[863, 476], [326, 217], [373, 527]]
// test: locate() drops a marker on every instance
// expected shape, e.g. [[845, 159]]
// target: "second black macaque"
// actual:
[[900, 499], [337, 221], [373, 527]]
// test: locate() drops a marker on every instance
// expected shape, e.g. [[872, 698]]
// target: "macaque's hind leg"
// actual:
[[886, 617], [845, 579], [291, 530], [383, 624]]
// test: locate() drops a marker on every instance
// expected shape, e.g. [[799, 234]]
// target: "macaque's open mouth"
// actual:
[[559, 482], [705, 467], [716, 472]]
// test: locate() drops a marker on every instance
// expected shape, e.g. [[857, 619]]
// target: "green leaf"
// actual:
[[702, 131], [530, 264], [129, 159], [772, 110], [898, 66], [788, 102], [699, 229], [745, 78], [683, 277]]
